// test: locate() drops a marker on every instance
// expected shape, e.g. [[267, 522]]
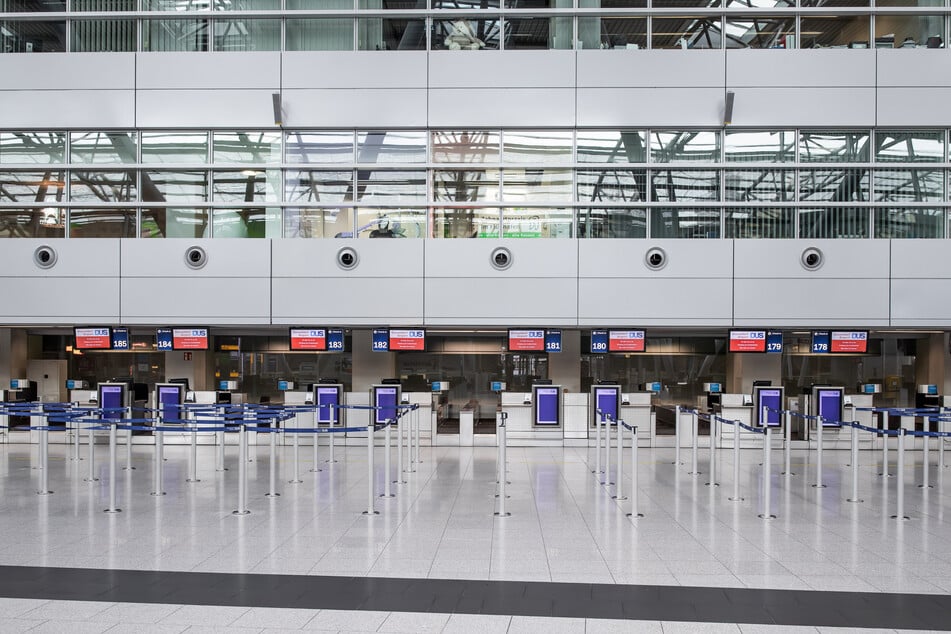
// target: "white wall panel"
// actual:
[[359, 107], [204, 108], [360, 69], [921, 283], [807, 68], [67, 108], [913, 67], [173, 71], [238, 258], [510, 107], [677, 107], [530, 258], [760, 259], [807, 106], [502, 69], [651, 69], [626, 258], [68, 71], [379, 258], [75, 258], [913, 106]]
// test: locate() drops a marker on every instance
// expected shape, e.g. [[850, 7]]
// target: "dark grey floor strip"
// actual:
[[582, 600]]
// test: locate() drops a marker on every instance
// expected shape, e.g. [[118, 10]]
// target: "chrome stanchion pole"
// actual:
[[619, 477], [399, 451], [297, 479], [713, 452], [316, 447], [900, 494], [332, 441], [677, 434], [940, 448], [272, 462], [128, 449], [502, 467], [819, 434], [371, 489], [416, 425], [112, 470], [242, 471], [767, 472], [158, 459], [787, 444], [44, 461], [76, 440], [598, 420], [926, 455], [193, 454], [884, 472], [220, 451], [695, 470], [607, 455], [634, 503], [386, 461], [855, 466], [736, 463], [91, 473]]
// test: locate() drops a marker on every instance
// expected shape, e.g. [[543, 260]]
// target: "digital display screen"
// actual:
[[774, 341], [599, 341], [747, 341], [932, 390], [169, 400], [308, 339], [163, 339], [606, 399], [552, 341], [387, 398], [848, 341], [829, 406], [189, 339], [547, 406], [820, 342], [112, 397], [327, 399], [120, 339], [409, 340], [772, 399], [93, 338], [335, 340], [381, 340], [527, 340], [626, 341]]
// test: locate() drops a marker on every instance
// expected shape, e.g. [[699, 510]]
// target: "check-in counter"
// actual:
[[636, 410], [576, 419], [737, 407], [853, 404], [520, 428], [361, 417]]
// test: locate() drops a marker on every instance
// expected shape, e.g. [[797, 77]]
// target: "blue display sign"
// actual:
[[112, 398], [282, 386], [599, 341], [120, 339], [335, 340], [774, 341], [552, 341], [381, 340], [163, 339], [654, 387], [820, 342], [496, 386], [223, 386], [387, 398], [327, 401], [547, 405]]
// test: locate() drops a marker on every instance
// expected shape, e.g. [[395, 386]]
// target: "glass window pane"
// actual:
[[176, 5], [833, 222], [536, 147], [830, 31], [319, 34], [92, 36], [32, 36], [775, 146], [247, 34], [391, 147], [539, 4], [686, 31], [612, 146], [391, 223], [399, 187], [835, 3], [763, 185], [465, 222], [33, 187], [37, 222], [925, 185], [187, 34], [177, 222], [672, 147], [317, 186], [102, 223], [391, 34], [538, 33], [598, 222], [917, 146], [910, 222], [760, 222], [834, 146], [760, 32], [247, 5], [397, 5], [463, 186], [537, 222], [477, 146], [298, 5], [910, 3], [32, 147], [685, 222], [247, 147], [909, 31], [612, 4], [467, 4], [247, 186], [309, 222], [32, 6], [174, 147], [536, 185], [685, 185], [464, 34], [249, 222], [179, 187], [102, 187], [612, 185], [102, 147], [837, 185], [612, 32], [319, 147]]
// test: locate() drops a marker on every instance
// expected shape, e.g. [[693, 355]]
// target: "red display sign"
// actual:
[[626, 341], [189, 338], [527, 340], [747, 341], [410, 340], [93, 338], [848, 341], [308, 339]]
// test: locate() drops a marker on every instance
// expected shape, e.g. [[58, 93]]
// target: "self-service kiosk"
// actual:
[[169, 399], [327, 399], [113, 399], [827, 402], [386, 397], [605, 400], [546, 406], [767, 406]]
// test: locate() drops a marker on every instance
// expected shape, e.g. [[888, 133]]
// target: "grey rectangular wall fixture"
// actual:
[[728, 110], [276, 101]]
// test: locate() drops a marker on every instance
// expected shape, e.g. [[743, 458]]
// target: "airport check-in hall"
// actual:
[[474, 316]]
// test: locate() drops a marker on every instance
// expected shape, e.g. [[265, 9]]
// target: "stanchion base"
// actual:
[[272, 495], [398, 481], [506, 497], [192, 480], [330, 461], [112, 510], [294, 481], [90, 479], [634, 514], [619, 499], [371, 513], [855, 501], [903, 517], [240, 512], [711, 484], [502, 514], [766, 517], [695, 473], [128, 468], [922, 486], [885, 475], [787, 473], [384, 495], [44, 492], [819, 486], [157, 493], [736, 499], [607, 484], [314, 470]]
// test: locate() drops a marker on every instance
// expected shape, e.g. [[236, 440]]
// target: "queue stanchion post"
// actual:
[[316, 446], [242, 470], [386, 460], [634, 505], [767, 472], [713, 452], [925, 455], [91, 462], [819, 434], [220, 451], [76, 439], [677, 434], [332, 441], [598, 421], [272, 461], [619, 477], [371, 489], [296, 453], [416, 426], [884, 471], [399, 451], [157, 461], [900, 493], [855, 465], [502, 460], [193, 453], [607, 455], [128, 450], [113, 450], [940, 448], [44, 461], [695, 469], [736, 463], [787, 444]]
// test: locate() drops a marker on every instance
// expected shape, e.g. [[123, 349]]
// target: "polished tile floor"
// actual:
[[564, 527]]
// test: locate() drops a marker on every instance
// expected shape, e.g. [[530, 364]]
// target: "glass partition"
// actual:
[[465, 222], [318, 222], [102, 223], [32, 222], [684, 222], [604, 222]]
